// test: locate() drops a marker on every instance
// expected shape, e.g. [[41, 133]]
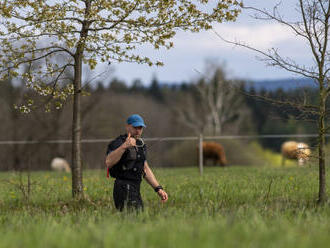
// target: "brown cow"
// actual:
[[215, 152], [295, 150]]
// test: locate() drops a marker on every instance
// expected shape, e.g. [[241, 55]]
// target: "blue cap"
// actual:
[[136, 121]]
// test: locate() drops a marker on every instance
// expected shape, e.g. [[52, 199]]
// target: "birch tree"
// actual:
[[214, 102], [221, 99], [33, 32]]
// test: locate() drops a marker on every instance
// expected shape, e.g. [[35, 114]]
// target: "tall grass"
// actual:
[[227, 207]]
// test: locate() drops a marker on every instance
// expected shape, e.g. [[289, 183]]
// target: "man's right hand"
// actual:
[[129, 142]]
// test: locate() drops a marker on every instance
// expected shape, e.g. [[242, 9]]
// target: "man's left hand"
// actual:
[[163, 195]]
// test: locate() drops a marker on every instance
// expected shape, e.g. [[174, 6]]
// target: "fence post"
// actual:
[[200, 154]]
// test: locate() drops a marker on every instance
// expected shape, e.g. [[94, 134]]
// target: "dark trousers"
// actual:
[[126, 194]]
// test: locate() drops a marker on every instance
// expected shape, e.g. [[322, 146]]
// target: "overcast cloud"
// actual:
[[191, 50]]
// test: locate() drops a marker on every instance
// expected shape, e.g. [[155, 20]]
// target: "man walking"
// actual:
[[127, 162]]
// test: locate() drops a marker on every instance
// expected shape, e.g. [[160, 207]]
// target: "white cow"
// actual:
[[60, 164]]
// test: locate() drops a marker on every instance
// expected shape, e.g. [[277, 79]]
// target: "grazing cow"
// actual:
[[215, 152], [295, 150], [60, 164]]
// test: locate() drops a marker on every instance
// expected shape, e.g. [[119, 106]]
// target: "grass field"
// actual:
[[227, 207]]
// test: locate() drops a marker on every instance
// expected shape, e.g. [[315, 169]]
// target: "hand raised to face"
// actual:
[[129, 142]]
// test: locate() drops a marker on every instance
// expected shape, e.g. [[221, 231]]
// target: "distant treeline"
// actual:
[[169, 110]]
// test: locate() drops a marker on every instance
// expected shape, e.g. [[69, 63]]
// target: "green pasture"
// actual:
[[227, 207]]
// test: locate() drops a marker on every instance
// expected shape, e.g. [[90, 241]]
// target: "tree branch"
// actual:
[[276, 59]]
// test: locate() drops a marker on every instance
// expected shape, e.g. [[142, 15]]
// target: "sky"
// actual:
[[187, 60]]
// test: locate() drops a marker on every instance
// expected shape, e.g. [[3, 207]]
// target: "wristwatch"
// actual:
[[158, 188]]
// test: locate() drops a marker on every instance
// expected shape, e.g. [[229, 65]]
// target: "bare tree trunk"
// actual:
[[77, 184], [322, 192], [28, 182], [216, 123]]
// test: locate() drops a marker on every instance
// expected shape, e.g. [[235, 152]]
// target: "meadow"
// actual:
[[226, 207]]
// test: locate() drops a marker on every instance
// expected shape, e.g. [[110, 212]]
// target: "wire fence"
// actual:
[[162, 151], [62, 141]]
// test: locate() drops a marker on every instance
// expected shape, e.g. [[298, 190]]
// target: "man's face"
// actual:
[[135, 132]]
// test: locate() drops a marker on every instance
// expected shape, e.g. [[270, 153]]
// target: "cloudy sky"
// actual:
[[191, 50]]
